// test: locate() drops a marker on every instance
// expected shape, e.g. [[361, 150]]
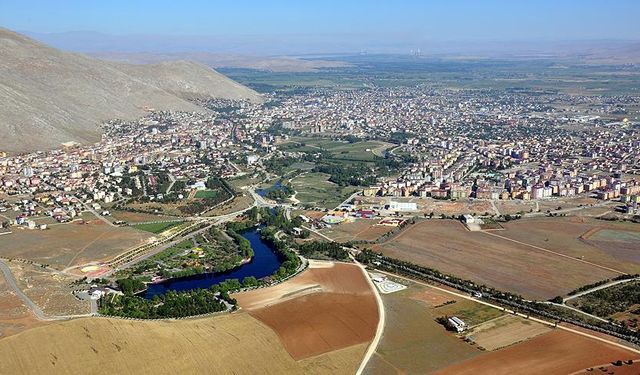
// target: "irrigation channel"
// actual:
[[265, 262]]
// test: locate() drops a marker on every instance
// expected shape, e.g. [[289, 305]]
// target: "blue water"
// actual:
[[265, 262], [276, 186]]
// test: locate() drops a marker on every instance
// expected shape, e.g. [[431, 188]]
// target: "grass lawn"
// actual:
[[157, 227], [203, 194]]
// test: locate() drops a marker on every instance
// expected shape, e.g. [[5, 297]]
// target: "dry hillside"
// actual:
[[50, 96]]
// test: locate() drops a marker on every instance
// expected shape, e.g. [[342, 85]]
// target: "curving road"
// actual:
[[37, 311]]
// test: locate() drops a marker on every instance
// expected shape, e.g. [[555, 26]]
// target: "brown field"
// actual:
[[50, 291], [326, 308], [556, 352], [361, 229], [412, 341], [227, 344], [447, 246], [240, 202], [505, 331], [71, 244], [15, 317], [580, 237], [514, 206], [608, 368]]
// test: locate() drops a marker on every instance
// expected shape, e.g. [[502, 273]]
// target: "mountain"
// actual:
[[49, 96], [217, 60]]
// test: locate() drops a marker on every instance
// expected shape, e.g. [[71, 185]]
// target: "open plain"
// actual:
[[448, 247], [70, 244]]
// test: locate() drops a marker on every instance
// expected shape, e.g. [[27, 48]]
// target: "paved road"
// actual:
[[11, 281], [603, 286], [371, 350], [37, 311]]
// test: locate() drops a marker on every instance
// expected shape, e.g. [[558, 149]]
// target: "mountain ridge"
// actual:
[[50, 97]]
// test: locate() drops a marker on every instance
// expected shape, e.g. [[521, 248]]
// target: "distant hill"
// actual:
[[217, 60], [49, 97]]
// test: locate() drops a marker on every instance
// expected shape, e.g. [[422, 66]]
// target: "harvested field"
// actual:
[[412, 341], [361, 229], [608, 368], [72, 243], [227, 344], [579, 237], [319, 323], [328, 307], [556, 352], [447, 246], [505, 331], [50, 291]]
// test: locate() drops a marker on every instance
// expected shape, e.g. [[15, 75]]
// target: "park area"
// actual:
[[488, 259], [315, 189]]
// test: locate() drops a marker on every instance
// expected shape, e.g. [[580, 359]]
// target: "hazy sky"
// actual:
[[358, 22], [494, 19]]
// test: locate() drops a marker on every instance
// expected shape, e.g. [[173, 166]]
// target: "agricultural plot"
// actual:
[[412, 341], [448, 247], [328, 307], [610, 244], [555, 352], [227, 344], [504, 331], [72, 243], [620, 302]]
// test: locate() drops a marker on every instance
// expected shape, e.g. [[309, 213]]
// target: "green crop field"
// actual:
[[157, 227], [206, 194]]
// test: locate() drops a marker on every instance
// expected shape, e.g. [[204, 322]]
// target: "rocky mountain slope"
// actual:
[[48, 96]]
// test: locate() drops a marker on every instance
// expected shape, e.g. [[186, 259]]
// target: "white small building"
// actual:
[[457, 324]]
